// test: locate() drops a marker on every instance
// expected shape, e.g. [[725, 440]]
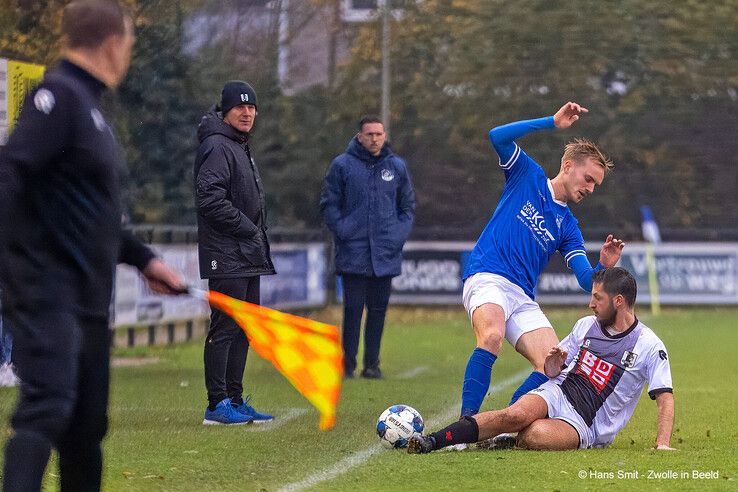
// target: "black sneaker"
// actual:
[[419, 444], [371, 373], [502, 441]]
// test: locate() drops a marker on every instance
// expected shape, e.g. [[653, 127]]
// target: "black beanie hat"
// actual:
[[236, 92]]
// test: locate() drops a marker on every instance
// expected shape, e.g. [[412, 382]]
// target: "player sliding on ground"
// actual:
[[531, 222], [597, 375]]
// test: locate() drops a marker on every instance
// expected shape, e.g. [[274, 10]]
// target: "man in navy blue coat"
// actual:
[[368, 203]]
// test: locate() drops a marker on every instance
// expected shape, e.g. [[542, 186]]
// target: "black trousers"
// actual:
[[374, 293], [63, 361], [226, 345]]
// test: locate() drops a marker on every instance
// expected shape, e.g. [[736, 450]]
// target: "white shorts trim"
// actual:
[[560, 408], [522, 314]]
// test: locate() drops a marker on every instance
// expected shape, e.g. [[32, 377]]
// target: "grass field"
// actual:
[[156, 440]]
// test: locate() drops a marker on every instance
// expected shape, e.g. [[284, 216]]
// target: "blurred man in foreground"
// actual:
[[61, 237]]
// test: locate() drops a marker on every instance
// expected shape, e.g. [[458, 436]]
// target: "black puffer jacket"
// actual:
[[231, 215]]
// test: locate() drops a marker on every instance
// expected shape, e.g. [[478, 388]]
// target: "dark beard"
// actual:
[[607, 322], [610, 319]]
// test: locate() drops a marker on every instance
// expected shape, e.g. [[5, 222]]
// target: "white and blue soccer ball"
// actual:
[[397, 425]]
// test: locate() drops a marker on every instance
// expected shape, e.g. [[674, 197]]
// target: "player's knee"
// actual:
[[517, 418], [490, 339], [532, 437], [535, 346]]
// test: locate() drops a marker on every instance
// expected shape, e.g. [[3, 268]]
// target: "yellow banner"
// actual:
[[22, 78]]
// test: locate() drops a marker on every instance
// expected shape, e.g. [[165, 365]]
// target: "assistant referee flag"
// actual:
[[308, 353]]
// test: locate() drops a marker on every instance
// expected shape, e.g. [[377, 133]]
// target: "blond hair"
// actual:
[[580, 149]]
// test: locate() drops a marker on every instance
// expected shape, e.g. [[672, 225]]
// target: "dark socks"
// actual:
[[465, 430]]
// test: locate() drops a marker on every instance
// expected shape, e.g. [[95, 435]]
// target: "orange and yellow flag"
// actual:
[[308, 353]]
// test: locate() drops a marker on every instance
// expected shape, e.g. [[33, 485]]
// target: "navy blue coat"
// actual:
[[368, 203]]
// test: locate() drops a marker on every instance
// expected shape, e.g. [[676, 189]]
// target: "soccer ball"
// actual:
[[397, 424]]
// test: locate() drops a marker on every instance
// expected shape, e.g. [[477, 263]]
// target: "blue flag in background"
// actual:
[[649, 227]]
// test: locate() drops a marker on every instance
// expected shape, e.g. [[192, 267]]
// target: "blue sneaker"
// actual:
[[225, 414], [249, 411]]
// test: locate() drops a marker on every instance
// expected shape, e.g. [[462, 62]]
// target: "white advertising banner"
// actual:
[[687, 273], [135, 304], [300, 282]]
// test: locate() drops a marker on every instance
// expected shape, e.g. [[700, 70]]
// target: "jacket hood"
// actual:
[[359, 151], [212, 124]]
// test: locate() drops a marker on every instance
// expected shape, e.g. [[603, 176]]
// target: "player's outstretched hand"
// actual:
[[568, 114], [555, 360], [611, 251], [665, 447], [162, 279]]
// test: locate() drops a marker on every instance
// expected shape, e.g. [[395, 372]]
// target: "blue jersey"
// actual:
[[529, 224]]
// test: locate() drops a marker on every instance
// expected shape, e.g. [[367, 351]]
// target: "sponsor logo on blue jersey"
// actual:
[[536, 224]]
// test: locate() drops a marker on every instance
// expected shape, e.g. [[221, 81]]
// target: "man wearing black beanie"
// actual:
[[233, 246]]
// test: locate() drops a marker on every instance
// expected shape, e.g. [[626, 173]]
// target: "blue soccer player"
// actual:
[[532, 221]]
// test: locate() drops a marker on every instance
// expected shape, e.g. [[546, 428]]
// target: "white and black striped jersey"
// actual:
[[605, 374]]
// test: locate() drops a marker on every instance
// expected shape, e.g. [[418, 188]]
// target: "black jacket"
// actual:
[[231, 214], [60, 210]]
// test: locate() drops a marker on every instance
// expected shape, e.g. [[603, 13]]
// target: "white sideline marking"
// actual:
[[332, 472], [415, 371], [360, 457]]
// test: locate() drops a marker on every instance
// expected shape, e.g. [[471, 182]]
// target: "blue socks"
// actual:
[[534, 380], [476, 380]]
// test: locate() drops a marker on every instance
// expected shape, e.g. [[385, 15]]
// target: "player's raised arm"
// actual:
[[665, 423], [568, 114], [611, 251], [579, 264], [503, 137]]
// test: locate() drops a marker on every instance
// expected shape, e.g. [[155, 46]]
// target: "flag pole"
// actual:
[[653, 280], [197, 293], [652, 235]]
